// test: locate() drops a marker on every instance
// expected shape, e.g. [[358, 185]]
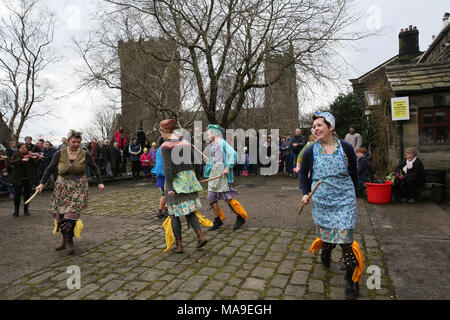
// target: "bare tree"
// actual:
[[100, 50], [232, 39], [26, 34], [100, 126]]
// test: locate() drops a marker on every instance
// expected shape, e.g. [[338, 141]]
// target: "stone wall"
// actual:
[[149, 81], [281, 98]]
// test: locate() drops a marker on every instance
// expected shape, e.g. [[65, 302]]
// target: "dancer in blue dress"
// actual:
[[333, 161]]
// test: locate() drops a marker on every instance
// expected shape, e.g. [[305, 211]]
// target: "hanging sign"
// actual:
[[400, 108]]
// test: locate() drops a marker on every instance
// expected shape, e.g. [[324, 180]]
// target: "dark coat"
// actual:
[[23, 169], [301, 143], [364, 170], [136, 148], [417, 171], [107, 153], [98, 154]]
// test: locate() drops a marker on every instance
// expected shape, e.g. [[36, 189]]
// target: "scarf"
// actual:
[[409, 165]]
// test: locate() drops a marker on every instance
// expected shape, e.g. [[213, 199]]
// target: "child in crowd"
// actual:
[[145, 162], [4, 181], [246, 163]]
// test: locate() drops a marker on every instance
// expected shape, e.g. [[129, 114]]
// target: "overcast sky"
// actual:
[[385, 17]]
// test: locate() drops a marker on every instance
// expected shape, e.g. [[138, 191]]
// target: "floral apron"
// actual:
[[220, 184], [334, 202]]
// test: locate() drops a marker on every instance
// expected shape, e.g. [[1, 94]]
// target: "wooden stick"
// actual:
[[209, 179], [207, 159], [32, 197], [309, 196]]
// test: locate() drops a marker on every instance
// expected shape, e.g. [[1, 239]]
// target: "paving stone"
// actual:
[[315, 286], [194, 284], [286, 267], [43, 277], [82, 292], [96, 295], [233, 281], [215, 286], [264, 273], [314, 296], [296, 291], [151, 275], [279, 281], [222, 276], [120, 295], [336, 293], [229, 291], [112, 285], [247, 295], [242, 273], [179, 296], [254, 284], [274, 292], [205, 295], [207, 271], [145, 295], [299, 278], [135, 286]]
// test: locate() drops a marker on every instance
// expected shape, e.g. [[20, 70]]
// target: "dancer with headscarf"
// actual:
[[181, 187], [221, 162], [71, 192], [333, 162]]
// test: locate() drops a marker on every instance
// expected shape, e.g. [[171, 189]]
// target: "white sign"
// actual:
[[400, 108]]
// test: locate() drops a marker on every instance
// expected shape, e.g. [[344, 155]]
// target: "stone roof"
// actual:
[[419, 77]]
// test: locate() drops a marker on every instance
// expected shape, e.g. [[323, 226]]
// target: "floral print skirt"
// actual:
[[184, 208], [338, 236], [70, 197]]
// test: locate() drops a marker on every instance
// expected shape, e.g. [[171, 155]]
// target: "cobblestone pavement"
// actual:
[[255, 262]]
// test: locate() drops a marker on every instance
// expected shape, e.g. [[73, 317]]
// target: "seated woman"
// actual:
[[364, 169], [413, 175]]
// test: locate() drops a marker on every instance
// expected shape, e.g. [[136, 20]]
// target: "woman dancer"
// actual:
[[71, 191], [181, 185], [333, 161], [221, 162]]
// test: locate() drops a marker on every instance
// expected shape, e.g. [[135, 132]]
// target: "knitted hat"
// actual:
[[145, 150], [154, 143]]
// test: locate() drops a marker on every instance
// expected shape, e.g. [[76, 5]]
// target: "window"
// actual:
[[434, 124], [372, 99]]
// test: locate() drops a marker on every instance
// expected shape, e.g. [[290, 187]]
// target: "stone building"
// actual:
[[150, 79], [281, 98], [148, 71], [423, 77]]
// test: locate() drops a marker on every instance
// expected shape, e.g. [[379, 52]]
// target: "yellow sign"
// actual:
[[400, 108]]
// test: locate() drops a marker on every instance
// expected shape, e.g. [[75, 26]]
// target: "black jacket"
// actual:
[[23, 169], [301, 143], [416, 172]]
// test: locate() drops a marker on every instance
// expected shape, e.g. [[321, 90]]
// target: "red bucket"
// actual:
[[379, 192]]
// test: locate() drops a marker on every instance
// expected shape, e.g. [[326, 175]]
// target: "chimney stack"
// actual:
[[408, 40]]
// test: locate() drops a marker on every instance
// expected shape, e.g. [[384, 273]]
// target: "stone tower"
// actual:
[[150, 78], [281, 98]]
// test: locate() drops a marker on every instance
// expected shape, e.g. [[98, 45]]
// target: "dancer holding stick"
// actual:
[[181, 188], [220, 164], [71, 191], [332, 162]]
